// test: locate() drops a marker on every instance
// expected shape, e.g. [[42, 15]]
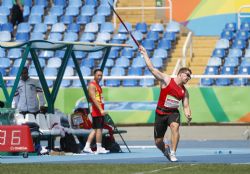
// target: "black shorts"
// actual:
[[163, 121], [98, 122]]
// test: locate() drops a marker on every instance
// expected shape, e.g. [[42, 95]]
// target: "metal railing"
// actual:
[[187, 45], [142, 8], [241, 14]]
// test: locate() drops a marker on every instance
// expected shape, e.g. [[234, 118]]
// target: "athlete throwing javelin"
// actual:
[[167, 114]]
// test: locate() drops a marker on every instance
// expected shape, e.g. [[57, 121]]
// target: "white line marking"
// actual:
[[154, 171]]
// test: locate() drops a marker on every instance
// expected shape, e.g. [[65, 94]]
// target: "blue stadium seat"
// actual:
[[4, 11], [85, 72], [73, 28], [214, 62], [148, 44], [88, 62], [50, 72], [109, 63], [91, 2], [225, 81], [23, 27], [170, 36], [138, 62], [137, 35], [95, 55], [113, 54], [132, 72], [58, 28], [7, 27], [41, 61], [157, 62], [240, 44], [105, 2], [157, 27], [37, 10], [26, 12], [5, 36], [161, 53], [40, 28], [69, 71], [87, 37], [209, 71], [234, 52], [55, 37], [72, 11], [3, 19], [82, 19], [56, 10], [35, 19], [101, 36], [146, 82], [122, 29], [36, 36], [22, 37], [115, 71], [32, 72], [142, 27], [2, 52], [43, 3], [127, 52], [75, 3], [242, 35], [229, 35], [122, 62], [87, 10], [107, 27], [91, 27], [120, 36], [242, 81], [60, 3], [14, 53], [153, 35], [4, 62], [245, 62], [17, 63], [173, 27], [164, 44], [230, 26], [104, 10], [54, 62], [50, 19], [231, 62], [3, 72], [66, 19], [99, 19], [245, 26], [70, 37], [219, 53], [7, 3], [222, 44], [80, 54]]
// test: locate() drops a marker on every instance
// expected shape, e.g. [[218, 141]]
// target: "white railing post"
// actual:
[[188, 44], [239, 15]]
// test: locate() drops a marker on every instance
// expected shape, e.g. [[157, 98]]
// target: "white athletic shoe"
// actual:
[[101, 150], [167, 152], [173, 157], [87, 150]]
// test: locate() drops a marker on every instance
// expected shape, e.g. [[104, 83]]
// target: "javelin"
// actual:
[[137, 43]]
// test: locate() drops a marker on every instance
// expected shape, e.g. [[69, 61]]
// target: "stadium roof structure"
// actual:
[[69, 47]]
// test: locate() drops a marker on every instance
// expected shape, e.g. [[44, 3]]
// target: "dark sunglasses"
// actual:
[[189, 75]]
